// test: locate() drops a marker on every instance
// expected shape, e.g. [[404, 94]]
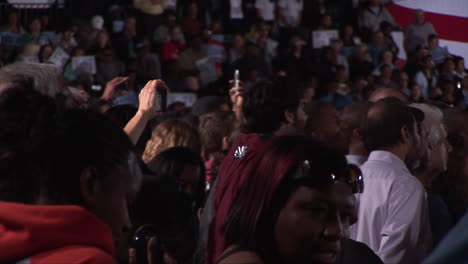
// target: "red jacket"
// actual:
[[53, 234]]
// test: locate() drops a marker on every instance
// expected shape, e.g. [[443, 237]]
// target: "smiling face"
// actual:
[[312, 224]]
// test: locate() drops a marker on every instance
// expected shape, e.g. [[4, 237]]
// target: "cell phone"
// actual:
[[161, 99], [140, 243], [236, 78]]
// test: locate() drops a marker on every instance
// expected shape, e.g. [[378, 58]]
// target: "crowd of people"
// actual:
[[328, 148]]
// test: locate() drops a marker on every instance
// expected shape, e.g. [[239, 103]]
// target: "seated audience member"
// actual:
[[447, 70], [385, 78], [360, 61], [65, 193], [384, 92], [171, 133], [108, 66], [182, 166], [393, 217], [460, 70], [415, 94], [45, 53], [376, 47], [438, 149], [268, 112], [215, 131], [351, 121], [268, 224], [174, 46], [438, 53], [66, 39], [36, 35], [100, 43], [188, 57]]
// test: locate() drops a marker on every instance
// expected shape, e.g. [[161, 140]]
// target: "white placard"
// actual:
[[399, 38], [187, 98], [323, 38], [84, 64], [10, 41], [207, 69], [59, 57]]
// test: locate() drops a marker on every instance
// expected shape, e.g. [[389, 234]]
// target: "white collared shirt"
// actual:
[[357, 160], [393, 219]]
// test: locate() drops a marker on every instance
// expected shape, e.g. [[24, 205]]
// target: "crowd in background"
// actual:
[[329, 149]]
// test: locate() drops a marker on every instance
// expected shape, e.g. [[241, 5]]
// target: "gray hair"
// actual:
[[433, 119], [44, 78]]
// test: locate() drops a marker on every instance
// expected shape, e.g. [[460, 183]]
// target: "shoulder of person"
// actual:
[[74, 255], [242, 257]]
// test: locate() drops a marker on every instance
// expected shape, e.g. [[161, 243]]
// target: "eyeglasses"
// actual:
[[352, 176]]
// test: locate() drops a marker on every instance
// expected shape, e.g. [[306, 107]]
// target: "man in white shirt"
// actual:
[[393, 217], [290, 13]]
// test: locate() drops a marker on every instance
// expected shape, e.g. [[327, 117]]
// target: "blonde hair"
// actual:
[[168, 134]]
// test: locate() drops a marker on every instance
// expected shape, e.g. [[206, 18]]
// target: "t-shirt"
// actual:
[[292, 10], [236, 9], [266, 9]]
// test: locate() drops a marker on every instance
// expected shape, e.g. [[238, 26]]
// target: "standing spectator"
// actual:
[[295, 63], [387, 57], [372, 15], [88, 34], [350, 40], [162, 33], [393, 216], [13, 25], [125, 42], [266, 10], [101, 43], [108, 66], [417, 33], [447, 70], [252, 65], [236, 14], [427, 78], [267, 45], [438, 53], [360, 62], [188, 57], [66, 39], [385, 78], [289, 18], [236, 51], [191, 24], [151, 11]]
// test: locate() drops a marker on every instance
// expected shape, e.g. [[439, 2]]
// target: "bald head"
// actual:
[[384, 92]]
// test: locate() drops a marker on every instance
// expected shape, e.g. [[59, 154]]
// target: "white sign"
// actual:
[[186, 98], [399, 38], [59, 57], [323, 38], [207, 69], [84, 64]]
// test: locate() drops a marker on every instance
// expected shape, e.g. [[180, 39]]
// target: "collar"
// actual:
[[356, 159], [388, 157]]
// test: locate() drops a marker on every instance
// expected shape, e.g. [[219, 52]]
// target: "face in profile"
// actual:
[[312, 224]]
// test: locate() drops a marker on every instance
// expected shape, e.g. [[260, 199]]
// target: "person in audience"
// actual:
[[415, 94], [438, 53], [66, 39], [438, 150], [13, 25], [45, 53], [125, 42], [427, 77], [351, 122], [417, 33], [266, 225], [35, 34], [267, 114], [215, 130], [373, 14], [400, 233], [171, 133], [64, 195]]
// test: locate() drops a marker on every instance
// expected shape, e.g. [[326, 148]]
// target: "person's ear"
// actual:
[[405, 135], [225, 143], [89, 186], [289, 117]]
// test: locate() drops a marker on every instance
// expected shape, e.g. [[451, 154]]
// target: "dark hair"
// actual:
[[383, 123], [266, 102], [431, 37], [212, 128], [170, 163], [45, 149], [280, 172]]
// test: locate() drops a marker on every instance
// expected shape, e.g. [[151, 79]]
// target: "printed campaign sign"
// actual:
[[59, 57], [186, 98], [207, 69], [323, 38], [84, 64], [10, 41]]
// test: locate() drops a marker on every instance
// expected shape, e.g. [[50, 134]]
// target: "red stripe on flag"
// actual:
[[447, 27]]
